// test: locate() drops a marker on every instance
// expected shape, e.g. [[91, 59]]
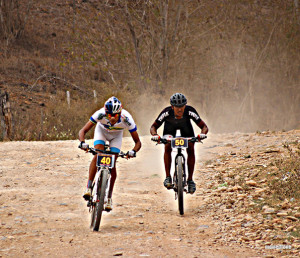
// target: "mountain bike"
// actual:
[[179, 175], [105, 162]]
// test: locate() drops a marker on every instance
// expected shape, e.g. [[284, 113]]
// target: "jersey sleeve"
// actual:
[[193, 114], [98, 116], [128, 120], [161, 117]]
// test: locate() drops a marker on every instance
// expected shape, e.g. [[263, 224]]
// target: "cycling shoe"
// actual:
[[108, 206], [168, 183], [87, 194], [191, 186]]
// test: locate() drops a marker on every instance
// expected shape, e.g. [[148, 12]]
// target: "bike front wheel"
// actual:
[[180, 184], [100, 199], [93, 211]]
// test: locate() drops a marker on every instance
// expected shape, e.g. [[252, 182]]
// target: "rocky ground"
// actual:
[[239, 193], [232, 214]]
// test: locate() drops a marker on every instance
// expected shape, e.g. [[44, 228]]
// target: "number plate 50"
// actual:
[[105, 160], [179, 143]]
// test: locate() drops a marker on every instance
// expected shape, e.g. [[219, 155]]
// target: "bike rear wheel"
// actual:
[[180, 184], [99, 207]]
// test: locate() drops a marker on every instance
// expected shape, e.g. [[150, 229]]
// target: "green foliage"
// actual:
[[223, 185], [296, 233]]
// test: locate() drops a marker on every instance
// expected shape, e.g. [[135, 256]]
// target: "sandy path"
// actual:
[[42, 213]]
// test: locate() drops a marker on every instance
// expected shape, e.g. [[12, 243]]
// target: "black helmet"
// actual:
[[178, 100]]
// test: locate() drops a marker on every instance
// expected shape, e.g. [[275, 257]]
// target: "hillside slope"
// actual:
[[238, 63]]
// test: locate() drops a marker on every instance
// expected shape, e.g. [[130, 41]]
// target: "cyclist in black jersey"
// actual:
[[178, 116]]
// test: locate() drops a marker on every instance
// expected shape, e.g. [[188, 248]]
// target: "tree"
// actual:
[[13, 17]]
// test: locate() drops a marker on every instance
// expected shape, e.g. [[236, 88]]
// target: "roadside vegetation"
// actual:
[[286, 181]]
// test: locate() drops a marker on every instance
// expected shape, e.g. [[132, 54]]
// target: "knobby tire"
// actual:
[[100, 199], [180, 184], [93, 212]]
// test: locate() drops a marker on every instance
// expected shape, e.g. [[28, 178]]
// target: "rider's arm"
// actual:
[[153, 129], [83, 131], [160, 120], [136, 139], [193, 114], [203, 126]]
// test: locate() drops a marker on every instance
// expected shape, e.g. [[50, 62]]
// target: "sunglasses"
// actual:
[[113, 115]]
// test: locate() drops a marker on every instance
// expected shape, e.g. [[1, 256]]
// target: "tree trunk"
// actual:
[[164, 41], [7, 117], [135, 43]]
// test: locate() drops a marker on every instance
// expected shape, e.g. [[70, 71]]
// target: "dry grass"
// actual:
[[237, 63], [285, 183]]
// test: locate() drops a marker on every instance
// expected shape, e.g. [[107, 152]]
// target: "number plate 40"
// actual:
[[105, 160], [179, 143]]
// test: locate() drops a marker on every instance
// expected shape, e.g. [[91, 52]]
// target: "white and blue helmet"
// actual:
[[113, 106]]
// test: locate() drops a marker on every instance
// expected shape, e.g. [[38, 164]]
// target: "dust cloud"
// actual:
[[235, 111], [238, 93], [147, 109], [237, 101]]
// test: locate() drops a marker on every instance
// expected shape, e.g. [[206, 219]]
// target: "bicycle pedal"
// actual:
[[171, 186], [190, 192]]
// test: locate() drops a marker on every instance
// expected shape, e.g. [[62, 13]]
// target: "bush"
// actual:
[[286, 183]]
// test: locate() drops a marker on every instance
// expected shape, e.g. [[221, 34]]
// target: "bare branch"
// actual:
[[134, 39], [61, 79]]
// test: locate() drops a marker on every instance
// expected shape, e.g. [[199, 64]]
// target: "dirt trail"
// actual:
[[42, 213]]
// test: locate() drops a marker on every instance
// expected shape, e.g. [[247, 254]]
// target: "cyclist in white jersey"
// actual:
[[110, 121]]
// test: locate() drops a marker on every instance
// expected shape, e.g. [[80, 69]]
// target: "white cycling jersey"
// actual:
[[104, 131], [125, 121]]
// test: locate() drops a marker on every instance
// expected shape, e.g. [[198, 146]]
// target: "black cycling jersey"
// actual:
[[172, 124]]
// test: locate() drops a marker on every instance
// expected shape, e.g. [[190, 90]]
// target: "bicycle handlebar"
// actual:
[[190, 139], [95, 151]]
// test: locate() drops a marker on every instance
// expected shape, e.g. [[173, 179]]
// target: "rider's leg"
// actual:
[[191, 165], [93, 168], [190, 160], [168, 162], [113, 177], [92, 171], [99, 142], [115, 143], [168, 159]]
